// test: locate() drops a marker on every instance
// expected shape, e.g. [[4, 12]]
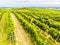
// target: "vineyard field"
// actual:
[[29, 26]]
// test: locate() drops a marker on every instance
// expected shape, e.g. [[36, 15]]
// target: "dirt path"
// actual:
[[21, 36]]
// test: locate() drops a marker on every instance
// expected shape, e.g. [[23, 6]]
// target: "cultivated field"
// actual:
[[29, 26]]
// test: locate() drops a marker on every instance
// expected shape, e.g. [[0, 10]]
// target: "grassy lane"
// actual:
[[1, 14], [6, 29]]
